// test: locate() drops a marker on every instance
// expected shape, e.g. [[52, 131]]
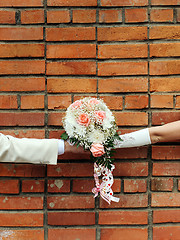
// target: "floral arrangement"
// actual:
[[89, 123]]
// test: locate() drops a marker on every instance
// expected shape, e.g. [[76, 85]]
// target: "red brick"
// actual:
[[33, 186], [7, 17], [8, 102], [167, 84], [165, 67], [123, 217], [59, 102], [86, 186], [22, 119], [71, 51], [122, 33], [161, 184], [121, 3], [70, 202], [22, 234], [113, 102], [55, 119], [127, 201], [166, 152], [22, 67], [21, 33], [32, 16], [58, 16], [123, 51], [165, 200], [9, 186], [125, 233], [159, 118], [161, 15], [22, 170], [110, 16], [165, 49], [71, 170], [164, 2], [178, 185], [32, 101], [84, 16], [70, 34], [132, 185], [21, 133], [71, 218], [71, 85], [71, 68], [21, 219], [131, 118], [70, 3], [166, 169], [21, 203], [21, 3], [123, 85], [166, 216], [21, 50], [69, 234], [136, 15], [136, 102], [164, 32], [22, 84], [122, 68], [162, 101], [58, 186], [130, 169], [177, 102], [178, 15], [167, 232], [124, 153]]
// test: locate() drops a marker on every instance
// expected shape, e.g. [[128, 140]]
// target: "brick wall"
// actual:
[[55, 51]]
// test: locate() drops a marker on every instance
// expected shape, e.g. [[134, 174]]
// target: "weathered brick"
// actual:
[[164, 32], [177, 102], [130, 169], [123, 217], [22, 84], [22, 234], [166, 169], [32, 101], [32, 16], [71, 68], [161, 184], [164, 67], [136, 15], [122, 68], [166, 84], [35, 186], [166, 216], [123, 85], [73, 3], [121, 33], [131, 118], [58, 185], [84, 16], [132, 185], [165, 49], [161, 101], [71, 85], [166, 152], [113, 102], [161, 15], [7, 17], [55, 119], [136, 102], [21, 34], [71, 51], [21, 219], [71, 218], [166, 232], [70, 34], [69, 234], [110, 16], [124, 153], [122, 51], [21, 3], [164, 2], [159, 118], [8, 102], [58, 16], [70, 202], [59, 102], [27, 133], [9, 186], [24, 67], [122, 3], [165, 200]]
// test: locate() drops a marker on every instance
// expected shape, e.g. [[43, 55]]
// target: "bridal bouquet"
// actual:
[[89, 123]]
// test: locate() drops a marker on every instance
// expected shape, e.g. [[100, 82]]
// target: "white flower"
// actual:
[[96, 136]]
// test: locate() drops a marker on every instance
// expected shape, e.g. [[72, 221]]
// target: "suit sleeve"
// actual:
[[27, 150]]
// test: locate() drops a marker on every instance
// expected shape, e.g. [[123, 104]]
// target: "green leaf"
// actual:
[[64, 136]]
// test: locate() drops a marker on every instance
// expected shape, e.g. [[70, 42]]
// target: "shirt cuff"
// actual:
[[60, 146]]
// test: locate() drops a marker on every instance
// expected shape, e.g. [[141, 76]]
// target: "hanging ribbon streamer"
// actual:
[[107, 181]]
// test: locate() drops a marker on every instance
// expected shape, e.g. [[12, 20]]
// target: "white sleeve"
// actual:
[[60, 147], [134, 139]]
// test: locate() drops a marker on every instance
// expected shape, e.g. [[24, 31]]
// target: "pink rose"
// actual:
[[93, 101], [83, 119], [100, 115], [76, 104], [97, 149]]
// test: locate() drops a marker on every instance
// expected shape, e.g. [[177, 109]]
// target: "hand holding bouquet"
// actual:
[[90, 124]]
